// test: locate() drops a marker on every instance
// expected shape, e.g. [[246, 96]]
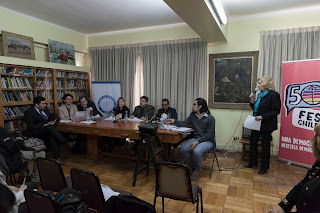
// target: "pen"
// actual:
[[24, 181]]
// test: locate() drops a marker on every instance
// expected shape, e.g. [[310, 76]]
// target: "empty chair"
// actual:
[[167, 185], [51, 175], [39, 203]]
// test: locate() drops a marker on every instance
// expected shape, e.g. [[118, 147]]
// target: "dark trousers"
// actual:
[[266, 138], [51, 135]]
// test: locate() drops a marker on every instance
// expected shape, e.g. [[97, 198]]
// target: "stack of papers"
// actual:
[[178, 129], [251, 123], [109, 119], [65, 121], [134, 119], [108, 192], [88, 122]]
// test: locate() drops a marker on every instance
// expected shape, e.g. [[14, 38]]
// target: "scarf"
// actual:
[[256, 105]]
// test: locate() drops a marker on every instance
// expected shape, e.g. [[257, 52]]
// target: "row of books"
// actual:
[[41, 72], [15, 82], [14, 125], [16, 111], [76, 84], [77, 75], [60, 74], [48, 95], [11, 96], [59, 84], [44, 84], [60, 94], [17, 70], [77, 94]]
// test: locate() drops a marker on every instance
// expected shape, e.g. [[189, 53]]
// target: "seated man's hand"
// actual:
[[169, 120], [143, 118], [88, 109], [194, 145], [131, 116], [277, 209], [49, 123], [13, 188]]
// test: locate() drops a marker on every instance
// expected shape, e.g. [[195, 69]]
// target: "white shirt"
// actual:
[[42, 112]]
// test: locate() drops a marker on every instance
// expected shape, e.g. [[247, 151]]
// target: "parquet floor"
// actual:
[[231, 190]]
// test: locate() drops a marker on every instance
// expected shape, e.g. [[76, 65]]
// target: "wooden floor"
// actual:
[[231, 190]]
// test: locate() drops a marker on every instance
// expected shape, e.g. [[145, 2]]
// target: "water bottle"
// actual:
[[88, 116], [162, 123], [126, 116]]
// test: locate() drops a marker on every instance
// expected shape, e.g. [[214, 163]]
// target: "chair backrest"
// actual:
[[39, 203], [173, 181], [88, 184], [51, 175]]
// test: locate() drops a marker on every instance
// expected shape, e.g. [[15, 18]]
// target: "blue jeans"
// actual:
[[203, 147]]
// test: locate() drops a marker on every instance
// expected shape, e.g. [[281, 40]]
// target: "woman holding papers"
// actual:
[[265, 109]]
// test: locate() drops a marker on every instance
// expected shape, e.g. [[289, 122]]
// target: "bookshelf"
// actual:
[[22, 81]]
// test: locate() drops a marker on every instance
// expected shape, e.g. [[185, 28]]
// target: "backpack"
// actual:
[[128, 203], [33, 144], [68, 200], [11, 152]]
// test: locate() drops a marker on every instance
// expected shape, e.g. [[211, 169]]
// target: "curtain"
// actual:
[[115, 63], [277, 46], [176, 70]]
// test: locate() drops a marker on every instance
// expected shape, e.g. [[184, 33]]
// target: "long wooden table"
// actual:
[[106, 128]]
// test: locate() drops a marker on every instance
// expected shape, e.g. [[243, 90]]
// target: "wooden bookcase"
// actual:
[[20, 83]]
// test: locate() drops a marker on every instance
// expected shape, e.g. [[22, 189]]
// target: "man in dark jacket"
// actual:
[[166, 109], [40, 124], [144, 110], [87, 105]]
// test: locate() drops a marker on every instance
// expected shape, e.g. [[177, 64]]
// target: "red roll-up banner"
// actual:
[[300, 110]]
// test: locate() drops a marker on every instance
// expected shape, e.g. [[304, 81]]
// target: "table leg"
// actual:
[[94, 146]]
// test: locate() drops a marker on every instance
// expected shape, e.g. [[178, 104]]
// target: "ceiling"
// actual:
[[97, 16]]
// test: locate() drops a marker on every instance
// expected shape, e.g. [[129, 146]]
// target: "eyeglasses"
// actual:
[[165, 104]]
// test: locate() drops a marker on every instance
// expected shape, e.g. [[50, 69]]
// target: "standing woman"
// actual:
[[122, 108], [265, 108]]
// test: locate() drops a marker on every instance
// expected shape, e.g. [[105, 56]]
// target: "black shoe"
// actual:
[[249, 166], [262, 171]]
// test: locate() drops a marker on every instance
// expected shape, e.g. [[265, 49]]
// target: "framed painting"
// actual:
[[232, 77], [61, 53], [18, 46]]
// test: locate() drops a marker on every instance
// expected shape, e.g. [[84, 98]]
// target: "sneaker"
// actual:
[[196, 175]]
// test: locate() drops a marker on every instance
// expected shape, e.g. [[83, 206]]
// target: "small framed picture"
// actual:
[[18, 46]]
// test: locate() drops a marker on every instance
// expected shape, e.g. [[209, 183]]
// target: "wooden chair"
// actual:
[[167, 185]]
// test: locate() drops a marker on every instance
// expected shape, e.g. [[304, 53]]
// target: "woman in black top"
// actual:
[[122, 108], [306, 194], [265, 108]]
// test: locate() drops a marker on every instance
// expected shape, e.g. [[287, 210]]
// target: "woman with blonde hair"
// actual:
[[122, 108], [306, 194], [265, 109]]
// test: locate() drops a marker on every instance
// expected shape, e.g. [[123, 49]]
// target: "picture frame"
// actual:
[[19, 46], [61, 53], [232, 78]]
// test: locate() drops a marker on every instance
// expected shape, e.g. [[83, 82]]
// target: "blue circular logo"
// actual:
[[106, 104]]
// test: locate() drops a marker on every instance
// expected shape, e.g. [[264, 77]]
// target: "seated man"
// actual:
[[144, 110], [67, 110], [87, 105], [204, 136], [167, 110], [40, 124]]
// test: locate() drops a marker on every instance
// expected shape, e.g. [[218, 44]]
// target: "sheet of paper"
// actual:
[[109, 119], [251, 123], [88, 122], [134, 119], [65, 121], [108, 192], [177, 129]]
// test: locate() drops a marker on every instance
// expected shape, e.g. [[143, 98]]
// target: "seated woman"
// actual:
[[67, 110], [122, 108], [306, 194], [87, 105]]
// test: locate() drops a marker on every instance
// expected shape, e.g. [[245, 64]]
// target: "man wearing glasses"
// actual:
[[166, 111], [204, 139]]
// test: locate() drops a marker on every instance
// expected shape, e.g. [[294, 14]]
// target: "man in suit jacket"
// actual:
[[67, 110], [166, 109], [40, 124], [143, 110], [86, 105]]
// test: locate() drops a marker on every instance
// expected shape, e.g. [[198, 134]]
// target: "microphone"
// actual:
[[254, 91]]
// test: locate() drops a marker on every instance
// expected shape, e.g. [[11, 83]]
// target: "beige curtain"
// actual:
[[277, 46]]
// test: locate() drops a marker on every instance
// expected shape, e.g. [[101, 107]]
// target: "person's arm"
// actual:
[[184, 123], [210, 131], [95, 110], [135, 112], [32, 125], [150, 111], [61, 114], [276, 106], [73, 113]]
